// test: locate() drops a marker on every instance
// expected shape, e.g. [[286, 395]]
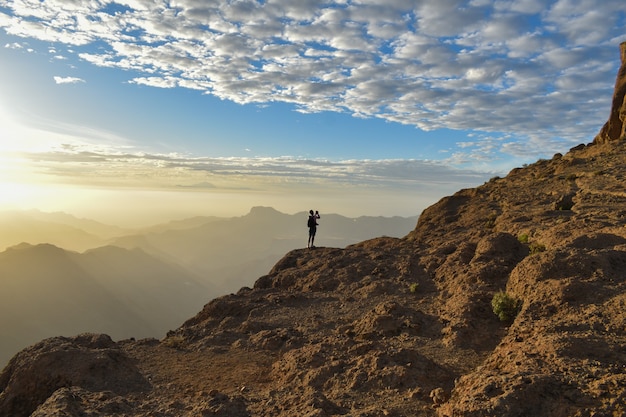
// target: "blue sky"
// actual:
[[361, 107]]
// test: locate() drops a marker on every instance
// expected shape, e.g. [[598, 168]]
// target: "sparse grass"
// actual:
[[505, 306], [491, 221]]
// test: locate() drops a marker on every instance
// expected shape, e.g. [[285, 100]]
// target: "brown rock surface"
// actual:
[[615, 127], [391, 327], [92, 362]]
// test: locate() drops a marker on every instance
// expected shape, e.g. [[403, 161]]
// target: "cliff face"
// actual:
[[615, 127], [392, 327]]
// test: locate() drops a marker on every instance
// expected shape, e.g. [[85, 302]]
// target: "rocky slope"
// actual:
[[392, 327]]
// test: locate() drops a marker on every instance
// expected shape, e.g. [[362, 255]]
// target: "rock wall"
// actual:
[[615, 127]]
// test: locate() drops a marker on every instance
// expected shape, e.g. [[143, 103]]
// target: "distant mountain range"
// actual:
[[234, 252], [47, 291], [59, 229], [60, 275]]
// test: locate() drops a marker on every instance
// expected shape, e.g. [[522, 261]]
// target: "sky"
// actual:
[[136, 111]]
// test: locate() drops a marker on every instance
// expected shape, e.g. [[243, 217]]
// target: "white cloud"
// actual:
[[68, 80], [155, 82], [526, 68], [518, 6], [13, 45], [97, 165]]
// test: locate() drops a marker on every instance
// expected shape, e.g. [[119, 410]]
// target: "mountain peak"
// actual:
[[262, 212], [256, 210], [41, 247]]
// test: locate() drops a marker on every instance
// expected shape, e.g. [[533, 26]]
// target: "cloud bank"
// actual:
[[529, 68], [81, 165]]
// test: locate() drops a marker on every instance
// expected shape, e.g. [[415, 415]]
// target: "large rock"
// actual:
[[89, 361], [615, 127]]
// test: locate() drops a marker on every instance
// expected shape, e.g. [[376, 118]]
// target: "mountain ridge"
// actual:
[[49, 291], [215, 255], [263, 236]]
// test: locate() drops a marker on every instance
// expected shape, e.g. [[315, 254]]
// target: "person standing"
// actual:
[[312, 224]]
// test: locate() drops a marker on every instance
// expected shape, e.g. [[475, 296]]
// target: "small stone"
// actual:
[[438, 395]]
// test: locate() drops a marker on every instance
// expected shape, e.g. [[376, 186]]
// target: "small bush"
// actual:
[[536, 248], [413, 287], [504, 306], [491, 221], [523, 238], [174, 342]]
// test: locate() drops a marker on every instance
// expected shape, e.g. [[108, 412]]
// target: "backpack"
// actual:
[[311, 222]]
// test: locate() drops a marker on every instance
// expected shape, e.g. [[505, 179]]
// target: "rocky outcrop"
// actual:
[[55, 368], [615, 127]]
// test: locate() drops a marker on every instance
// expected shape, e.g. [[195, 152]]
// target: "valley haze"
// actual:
[[63, 275]]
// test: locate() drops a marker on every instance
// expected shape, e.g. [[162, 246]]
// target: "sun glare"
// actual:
[[16, 188], [9, 132], [12, 176], [18, 196]]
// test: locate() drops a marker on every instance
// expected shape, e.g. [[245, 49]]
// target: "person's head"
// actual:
[[310, 211]]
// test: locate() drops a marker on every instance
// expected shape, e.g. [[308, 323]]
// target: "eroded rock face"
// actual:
[[90, 361], [615, 127]]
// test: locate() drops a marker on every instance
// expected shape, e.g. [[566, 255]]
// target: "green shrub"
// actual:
[[491, 221], [504, 306], [175, 342], [536, 248], [523, 238], [413, 287]]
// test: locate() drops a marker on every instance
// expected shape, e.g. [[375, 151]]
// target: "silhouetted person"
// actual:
[[312, 223]]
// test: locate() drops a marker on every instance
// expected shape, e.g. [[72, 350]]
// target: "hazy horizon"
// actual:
[[137, 221], [144, 208]]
